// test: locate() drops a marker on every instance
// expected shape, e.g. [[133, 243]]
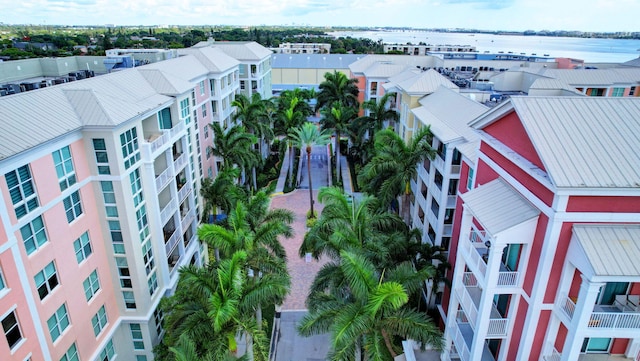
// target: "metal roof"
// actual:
[[243, 50], [612, 250], [313, 61], [165, 83], [382, 70], [585, 141], [412, 61], [595, 77], [187, 68], [214, 59], [498, 207], [548, 84], [425, 82]]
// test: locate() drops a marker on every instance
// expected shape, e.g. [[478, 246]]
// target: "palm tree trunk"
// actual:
[[259, 317], [249, 352], [387, 342], [290, 165], [255, 179], [338, 175], [313, 215]]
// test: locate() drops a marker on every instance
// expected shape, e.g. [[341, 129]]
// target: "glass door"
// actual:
[[596, 345]]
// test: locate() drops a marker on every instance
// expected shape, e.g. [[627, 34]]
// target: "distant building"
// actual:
[[425, 49], [303, 48]]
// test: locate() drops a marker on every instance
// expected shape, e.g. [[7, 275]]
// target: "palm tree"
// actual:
[[364, 309], [337, 87], [220, 193], [363, 129], [290, 118], [389, 173], [359, 224], [337, 119], [235, 147], [306, 137], [253, 115]]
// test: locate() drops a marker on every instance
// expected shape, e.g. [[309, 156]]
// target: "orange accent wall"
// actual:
[[561, 337], [619, 346], [603, 204], [510, 131], [521, 176]]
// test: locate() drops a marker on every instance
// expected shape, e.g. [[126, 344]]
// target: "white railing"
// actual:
[[438, 163], [167, 211], [555, 355], [508, 279], [461, 345], [179, 163], [474, 256], [451, 201], [626, 320], [178, 128], [184, 192], [158, 142], [469, 279], [478, 236], [497, 327], [468, 305], [447, 230], [188, 218], [172, 242], [568, 306], [163, 179]]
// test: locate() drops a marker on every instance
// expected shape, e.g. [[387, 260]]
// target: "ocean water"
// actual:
[[590, 50]]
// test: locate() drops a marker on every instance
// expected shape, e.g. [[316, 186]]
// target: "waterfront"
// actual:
[[591, 50]]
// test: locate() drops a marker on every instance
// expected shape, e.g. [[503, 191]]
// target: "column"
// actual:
[[584, 308]]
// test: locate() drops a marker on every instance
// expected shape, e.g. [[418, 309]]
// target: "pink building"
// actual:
[[99, 187], [546, 237]]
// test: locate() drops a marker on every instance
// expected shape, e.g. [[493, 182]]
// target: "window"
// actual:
[[206, 131], [2, 283], [435, 207], [129, 143], [632, 91], [109, 196], [214, 107], [22, 191], [470, 179], [597, 92], [143, 223], [108, 352], [212, 85], [91, 285], [46, 280], [136, 187], [141, 358], [11, 329], [82, 247], [116, 237], [102, 158], [136, 336], [158, 317], [33, 235], [438, 179], [99, 321], [152, 282], [129, 300], [71, 354], [72, 206], [243, 86], [617, 92], [193, 98], [164, 119], [184, 108], [58, 323], [202, 87], [64, 167], [204, 110], [123, 272], [374, 88]]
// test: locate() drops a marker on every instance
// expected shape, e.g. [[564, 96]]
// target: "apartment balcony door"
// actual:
[[609, 292], [596, 345], [511, 256]]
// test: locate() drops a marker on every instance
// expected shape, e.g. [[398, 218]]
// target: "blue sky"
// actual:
[[585, 15]]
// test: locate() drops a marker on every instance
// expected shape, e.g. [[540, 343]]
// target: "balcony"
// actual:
[[172, 241], [163, 179], [188, 219], [554, 355], [469, 297], [183, 192], [604, 317], [179, 162], [153, 142], [476, 252], [451, 201], [168, 211]]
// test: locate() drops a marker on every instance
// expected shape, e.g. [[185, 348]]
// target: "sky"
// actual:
[[516, 15]]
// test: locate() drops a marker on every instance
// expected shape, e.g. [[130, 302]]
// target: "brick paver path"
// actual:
[[302, 273]]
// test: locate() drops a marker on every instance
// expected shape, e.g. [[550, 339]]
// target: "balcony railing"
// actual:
[[172, 242], [468, 305], [183, 192], [167, 211], [461, 345], [455, 169], [180, 162], [617, 319], [474, 257], [163, 179], [497, 327], [188, 218], [451, 201], [554, 356], [508, 279]]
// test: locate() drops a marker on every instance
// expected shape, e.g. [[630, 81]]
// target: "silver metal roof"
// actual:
[[313, 61], [243, 50], [412, 61], [214, 59], [498, 207], [585, 141], [612, 250], [595, 77], [187, 68], [382, 70], [425, 82], [551, 84]]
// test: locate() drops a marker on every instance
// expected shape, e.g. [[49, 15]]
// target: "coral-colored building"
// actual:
[[546, 240]]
